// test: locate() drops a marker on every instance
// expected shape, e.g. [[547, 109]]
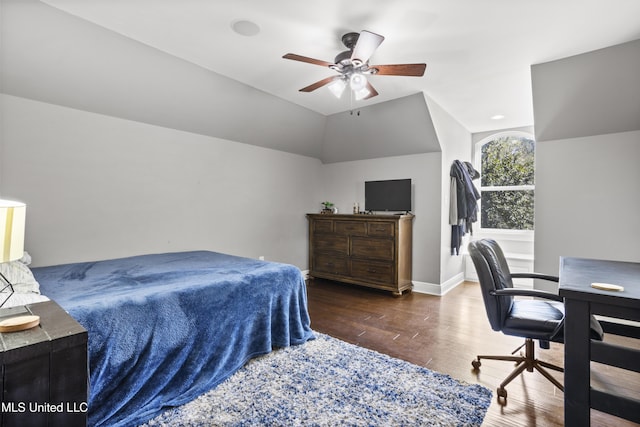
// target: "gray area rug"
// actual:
[[328, 382]]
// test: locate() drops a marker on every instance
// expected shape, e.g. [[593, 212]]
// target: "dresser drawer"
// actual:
[[372, 271], [367, 247], [331, 264], [351, 228], [331, 243], [380, 229], [322, 226]]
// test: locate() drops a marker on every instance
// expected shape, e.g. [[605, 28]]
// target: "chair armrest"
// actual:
[[526, 293], [535, 276]]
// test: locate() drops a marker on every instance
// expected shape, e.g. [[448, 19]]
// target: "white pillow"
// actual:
[[22, 299], [26, 258], [20, 276]]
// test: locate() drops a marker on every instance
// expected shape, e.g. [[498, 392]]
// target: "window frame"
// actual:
[[477, 160]]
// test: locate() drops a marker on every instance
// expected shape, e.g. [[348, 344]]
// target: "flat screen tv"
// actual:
[[388, 196]]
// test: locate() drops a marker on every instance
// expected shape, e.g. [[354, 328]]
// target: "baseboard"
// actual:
[[435, 289], [452, 283], [425, 287]]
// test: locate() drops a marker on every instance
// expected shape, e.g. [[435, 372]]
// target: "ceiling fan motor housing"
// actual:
[[350, 40], [343, 58]]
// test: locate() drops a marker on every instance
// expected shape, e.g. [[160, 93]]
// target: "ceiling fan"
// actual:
[[353, 66]]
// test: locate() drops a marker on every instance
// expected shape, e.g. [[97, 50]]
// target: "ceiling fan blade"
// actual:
[[300, 58], [416, 70], [367, 43], [372, 91], [319, 84]]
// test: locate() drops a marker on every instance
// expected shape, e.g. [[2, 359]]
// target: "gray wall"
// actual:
[[394, 128], [455, 141], [587, 111], [596, 93], [343, 184], [51, 56], [99, 187]]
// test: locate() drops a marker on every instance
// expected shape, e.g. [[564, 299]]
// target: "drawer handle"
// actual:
[[381, 229], [371, 270], [329, 264]]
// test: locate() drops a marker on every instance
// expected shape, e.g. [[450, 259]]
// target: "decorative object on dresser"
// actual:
[[367, 250], [328, 208]]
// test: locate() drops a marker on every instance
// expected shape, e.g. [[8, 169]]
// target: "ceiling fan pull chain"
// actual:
[[351, 102]]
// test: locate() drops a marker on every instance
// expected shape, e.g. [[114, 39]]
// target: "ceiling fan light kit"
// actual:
[[357, 82], [353, 66], [337, 87]]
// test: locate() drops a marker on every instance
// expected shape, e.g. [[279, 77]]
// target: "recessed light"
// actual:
[[497, 117], [245, 28]]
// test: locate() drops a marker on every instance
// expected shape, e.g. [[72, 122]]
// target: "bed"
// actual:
[[165, 328]]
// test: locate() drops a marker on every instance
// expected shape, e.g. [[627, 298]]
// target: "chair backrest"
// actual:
[[493, 273]]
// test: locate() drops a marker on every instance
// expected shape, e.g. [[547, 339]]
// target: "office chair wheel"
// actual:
[[502, 393], [476, 364]]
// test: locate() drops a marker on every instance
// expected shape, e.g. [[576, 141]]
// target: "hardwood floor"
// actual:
[[444, 334]]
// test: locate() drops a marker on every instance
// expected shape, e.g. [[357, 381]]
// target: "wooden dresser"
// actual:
[[367, 250]]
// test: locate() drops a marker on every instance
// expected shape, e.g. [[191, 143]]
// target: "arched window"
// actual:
[[507, 181]]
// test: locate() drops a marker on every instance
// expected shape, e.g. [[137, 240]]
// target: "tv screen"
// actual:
[[389, 195]]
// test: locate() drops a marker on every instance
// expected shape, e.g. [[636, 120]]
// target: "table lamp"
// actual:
[[12, 222]]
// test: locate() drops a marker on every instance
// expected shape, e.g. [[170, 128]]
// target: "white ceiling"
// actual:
[[478, 52]]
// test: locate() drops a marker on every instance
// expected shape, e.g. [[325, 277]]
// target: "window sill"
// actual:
[[517, 235]]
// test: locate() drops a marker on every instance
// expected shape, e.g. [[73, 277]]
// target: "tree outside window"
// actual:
[[507, 183]]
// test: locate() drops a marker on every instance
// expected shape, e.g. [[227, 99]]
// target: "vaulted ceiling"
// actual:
[[478, 53]]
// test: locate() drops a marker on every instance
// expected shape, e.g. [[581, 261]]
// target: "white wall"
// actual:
[[99, 187], [343, 184]]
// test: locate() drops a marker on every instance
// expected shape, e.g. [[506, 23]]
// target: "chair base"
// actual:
[[528, 362]]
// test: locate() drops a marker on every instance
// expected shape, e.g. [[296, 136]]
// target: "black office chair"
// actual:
[[533, 319]]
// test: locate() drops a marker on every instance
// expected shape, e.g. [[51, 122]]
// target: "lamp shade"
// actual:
[[12, 222]]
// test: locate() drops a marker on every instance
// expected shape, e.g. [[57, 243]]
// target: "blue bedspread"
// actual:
[[166, 328]]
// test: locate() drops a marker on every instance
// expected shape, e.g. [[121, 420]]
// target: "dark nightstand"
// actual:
[[44, 370]]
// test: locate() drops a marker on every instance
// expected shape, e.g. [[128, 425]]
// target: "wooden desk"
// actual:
[[581, 301]]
